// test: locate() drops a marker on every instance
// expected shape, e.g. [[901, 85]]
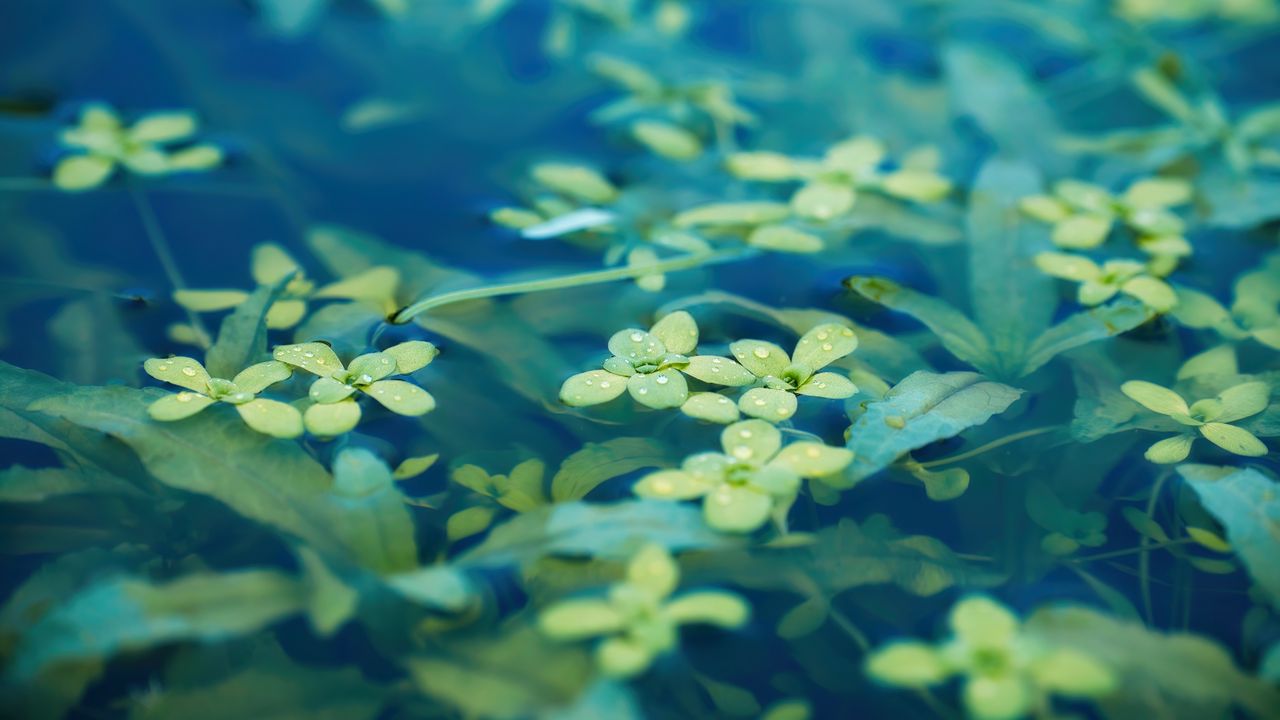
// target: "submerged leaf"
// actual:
[[923, 408]]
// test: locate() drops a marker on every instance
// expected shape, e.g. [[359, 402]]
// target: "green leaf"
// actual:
[[82, 172], [732, 214], [822, 201], [332, 419], [576, 181], [204, 607], [677, 331], [412, 356], [923, 408], [163, 127], [20, 484], [597, 463], [242, 338], [592, 388], [660, 390], [667, 140], [181, 371], [604, 531], [1244, 501], [271, 417], [768, 404], [402, 398], [711, 407], [782, 238], [907, 664], [1157, 671]]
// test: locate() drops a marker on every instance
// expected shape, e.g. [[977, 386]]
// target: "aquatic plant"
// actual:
[[101, 143], [638, 619], [946, 296]]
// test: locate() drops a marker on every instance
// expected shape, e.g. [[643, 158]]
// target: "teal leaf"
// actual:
[[957, 333], [1245, 501], [923, 408], [605, 531], [1012, 302], [846, 556], [1083, 328], [1158, 671], [597, 463], [271, 481], [439, 587], [207, 606], [242, 338], [266, 684]]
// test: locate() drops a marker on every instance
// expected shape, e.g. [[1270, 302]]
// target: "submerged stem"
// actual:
[[990, 446], [595, 277], [151, 228]]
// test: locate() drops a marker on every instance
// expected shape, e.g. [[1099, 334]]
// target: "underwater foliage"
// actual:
[[949, 335]]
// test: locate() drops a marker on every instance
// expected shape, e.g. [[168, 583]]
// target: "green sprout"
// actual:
[[1255, 312], [832, 183], [334, 410], [639, 620], [649, 365], [1083, 214], [1209, 417], [784, 377], [100, 143], [753, 478], [269, 265], [520, 490], [269, 417], [1007, 673], [1068, 529], [1099, 284], [669, 119]]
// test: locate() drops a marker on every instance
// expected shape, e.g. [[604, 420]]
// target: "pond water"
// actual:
[[639, 358]]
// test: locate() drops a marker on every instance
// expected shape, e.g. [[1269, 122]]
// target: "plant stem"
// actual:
[[1131, 551], [595, 277], [151, 228], [1144, 560], [990, 446]]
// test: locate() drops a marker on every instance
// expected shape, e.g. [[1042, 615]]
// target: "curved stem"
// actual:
[[990, 446], [595, 277], [155, 236]]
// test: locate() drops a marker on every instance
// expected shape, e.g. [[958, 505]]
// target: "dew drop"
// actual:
[[824, 335], [308, 354], [822, 386], [662, 380], [590, 381], [397, 398], [760, 353], [782, 411], [742, 453], [759, 402], [846, 332], [723, 400], [604, 383], [386, 361], [188, 372], [185, 397], [643, 391], [715, 369], [319, 361], [826, 346], [637, 336]]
